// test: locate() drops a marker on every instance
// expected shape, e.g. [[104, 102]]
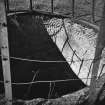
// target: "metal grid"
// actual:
[[34, 5]]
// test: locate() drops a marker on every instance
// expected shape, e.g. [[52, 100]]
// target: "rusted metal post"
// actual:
[[5, 53]]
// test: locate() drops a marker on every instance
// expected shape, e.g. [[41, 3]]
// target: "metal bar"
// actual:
[[31, 8], [38, 12], [73, 8], [7, 5], [80, 16], [52, 6], [93, 11], [5, 53]]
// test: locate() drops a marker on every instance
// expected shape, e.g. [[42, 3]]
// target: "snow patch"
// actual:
[[69, 37]]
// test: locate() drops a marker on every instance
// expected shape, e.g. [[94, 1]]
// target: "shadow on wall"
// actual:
[[29, 39]]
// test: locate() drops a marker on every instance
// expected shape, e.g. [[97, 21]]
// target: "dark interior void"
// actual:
[[29, 39]]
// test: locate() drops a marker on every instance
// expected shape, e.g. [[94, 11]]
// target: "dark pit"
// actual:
[[29, 39]]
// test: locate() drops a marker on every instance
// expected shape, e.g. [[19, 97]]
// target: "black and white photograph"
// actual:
[[52, 52]]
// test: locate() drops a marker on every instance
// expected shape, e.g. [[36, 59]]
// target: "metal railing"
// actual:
[[73, 12]]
